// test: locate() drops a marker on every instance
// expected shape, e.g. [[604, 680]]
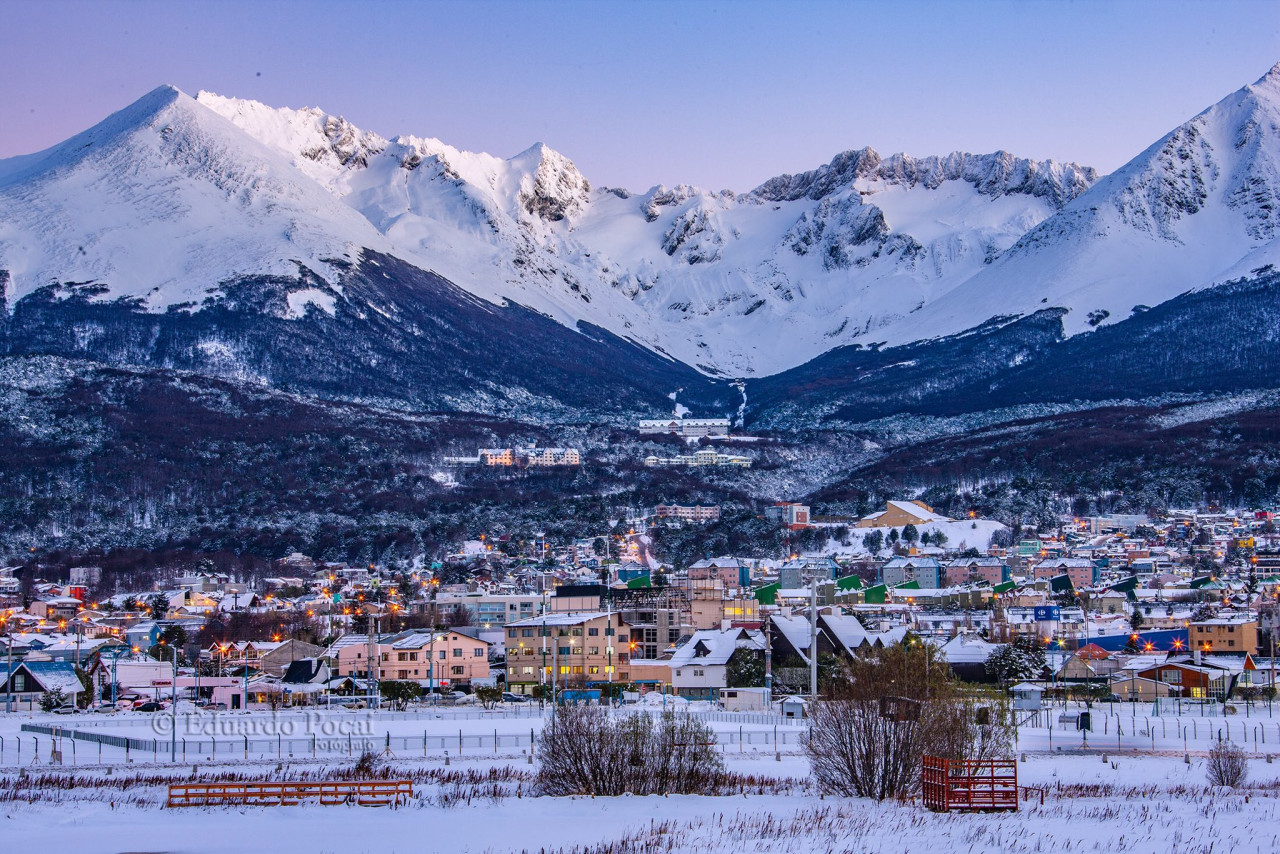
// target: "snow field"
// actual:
[[1134, 804]]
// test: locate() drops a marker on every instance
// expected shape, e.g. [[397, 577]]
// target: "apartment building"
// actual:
[[1225, 634], [492, 609], [572, 649], [687, 427], [704, 457], [688, 513], [451, 657]]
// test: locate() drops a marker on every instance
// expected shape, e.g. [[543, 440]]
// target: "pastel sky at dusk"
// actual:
[[718, 94]]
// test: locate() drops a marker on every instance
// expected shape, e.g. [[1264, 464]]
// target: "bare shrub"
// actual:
[[584, 750], [891, 708], [1228, 765], [368, 764]]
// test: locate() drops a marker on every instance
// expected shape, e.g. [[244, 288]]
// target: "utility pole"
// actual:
[[555, 668], [608, 623], [768, 662], [8, 692], [173, 730], [542, 674], [813, 638], [372, 647]]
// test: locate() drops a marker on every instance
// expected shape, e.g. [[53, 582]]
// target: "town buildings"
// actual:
[[788, 513]]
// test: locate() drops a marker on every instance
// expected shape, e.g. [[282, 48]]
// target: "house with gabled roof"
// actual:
[[28, 681], [700, 666], [967, 653]]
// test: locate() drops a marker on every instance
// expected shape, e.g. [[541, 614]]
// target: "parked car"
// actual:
[[66, 709], [105, 709], [149, 707], [508, 697]]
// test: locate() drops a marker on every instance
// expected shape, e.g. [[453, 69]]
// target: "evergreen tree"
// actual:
[[745, 670], [1022, 659], [873, 541]]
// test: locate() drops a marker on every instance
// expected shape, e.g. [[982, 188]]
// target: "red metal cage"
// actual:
[[969, 784]]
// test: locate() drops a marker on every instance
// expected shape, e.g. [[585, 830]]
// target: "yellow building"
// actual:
[[1225, 634], [899, 513]]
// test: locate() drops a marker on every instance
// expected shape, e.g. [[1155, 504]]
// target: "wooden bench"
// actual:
[[369, 793], [960, 784]]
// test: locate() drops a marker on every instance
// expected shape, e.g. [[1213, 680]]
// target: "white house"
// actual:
[[699, 668]]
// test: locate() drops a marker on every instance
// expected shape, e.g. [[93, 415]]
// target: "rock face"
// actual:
[[556, 190], [992, 175]]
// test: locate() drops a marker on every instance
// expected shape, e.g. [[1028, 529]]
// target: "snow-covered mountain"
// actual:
[[171, 196], [161, 202], [1199, 207], [168, 200], [736, 284]]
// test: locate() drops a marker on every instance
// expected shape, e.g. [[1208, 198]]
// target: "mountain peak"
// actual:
[[1268, 83], [1272, 76], [552, 187], [142, 113], [535, 152]]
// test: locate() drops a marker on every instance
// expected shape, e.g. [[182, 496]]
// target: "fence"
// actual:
[[1133, 733], [461, 743], [525, 711], [361, 792], [521, 711]]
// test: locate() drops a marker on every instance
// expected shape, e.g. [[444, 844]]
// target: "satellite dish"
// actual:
[[613, 523]]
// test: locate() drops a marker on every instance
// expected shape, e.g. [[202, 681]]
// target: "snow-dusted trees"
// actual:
[[870, 732], [873, 541], [1022, 659], [399, 693], [585, 750]]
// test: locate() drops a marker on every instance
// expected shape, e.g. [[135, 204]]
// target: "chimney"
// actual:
[[1195, 656]]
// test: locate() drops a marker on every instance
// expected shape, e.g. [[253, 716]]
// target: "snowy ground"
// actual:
[[960, 534], [1130, 801]]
